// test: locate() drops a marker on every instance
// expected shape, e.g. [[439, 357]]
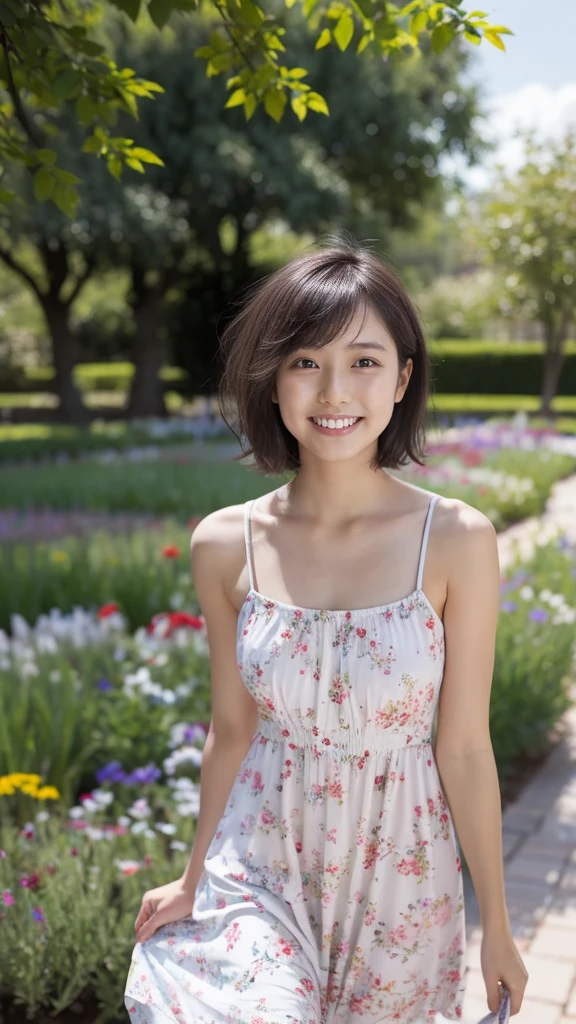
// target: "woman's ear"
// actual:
[[403, 379]]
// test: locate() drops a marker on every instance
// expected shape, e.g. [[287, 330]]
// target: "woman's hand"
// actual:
[[501, 961], [160, 906]]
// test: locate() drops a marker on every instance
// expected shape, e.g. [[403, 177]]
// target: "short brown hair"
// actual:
[[309, 302]]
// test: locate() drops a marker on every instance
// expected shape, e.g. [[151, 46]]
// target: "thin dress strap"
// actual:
[[431, 504], [248, 540]]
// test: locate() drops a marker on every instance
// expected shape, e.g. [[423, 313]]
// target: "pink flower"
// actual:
[[8, 899]]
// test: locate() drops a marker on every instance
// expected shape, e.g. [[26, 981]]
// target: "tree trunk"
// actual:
[[556, 331], [147, 389], [72, 408]]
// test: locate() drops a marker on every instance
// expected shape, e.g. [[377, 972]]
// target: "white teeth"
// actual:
[[336, 424]]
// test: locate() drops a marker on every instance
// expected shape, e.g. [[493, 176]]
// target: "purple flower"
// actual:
[[144, 776], [538, 615], [104, 684], [111, 772], [38, 914], [508, 606]]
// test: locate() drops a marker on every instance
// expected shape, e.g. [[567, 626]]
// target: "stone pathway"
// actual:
[[539, 844]]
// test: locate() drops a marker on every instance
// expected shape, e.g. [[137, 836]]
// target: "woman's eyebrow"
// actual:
[[366, 344]]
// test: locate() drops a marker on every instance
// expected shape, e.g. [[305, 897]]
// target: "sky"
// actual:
[[533, 84]]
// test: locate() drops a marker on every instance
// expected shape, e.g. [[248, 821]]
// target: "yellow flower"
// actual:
[[59, 557], [48, 793]]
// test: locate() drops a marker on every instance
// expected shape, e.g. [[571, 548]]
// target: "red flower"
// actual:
[[171, 551], [175, 620], [108, 609]]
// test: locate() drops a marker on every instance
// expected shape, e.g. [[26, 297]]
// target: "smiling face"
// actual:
[[356, 375]]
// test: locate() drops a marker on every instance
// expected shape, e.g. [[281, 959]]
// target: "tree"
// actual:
[[528, 226], [51, 55]]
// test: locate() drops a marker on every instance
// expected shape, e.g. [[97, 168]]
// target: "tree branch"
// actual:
[[90, 264], [9, 260], [21, 114]]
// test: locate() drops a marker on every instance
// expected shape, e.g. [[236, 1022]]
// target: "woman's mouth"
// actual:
[[336, 426]]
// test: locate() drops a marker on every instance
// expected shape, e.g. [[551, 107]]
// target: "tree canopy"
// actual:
[[528, 227], [52, 54]]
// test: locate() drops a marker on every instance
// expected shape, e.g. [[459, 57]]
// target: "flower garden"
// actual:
[[105, 688]]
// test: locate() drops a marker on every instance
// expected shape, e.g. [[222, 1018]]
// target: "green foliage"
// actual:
[[528, 228], [89, 905], [485, 368], [50, 59], [533, 655]]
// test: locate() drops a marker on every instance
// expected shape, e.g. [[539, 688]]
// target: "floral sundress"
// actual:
[[332, 890]]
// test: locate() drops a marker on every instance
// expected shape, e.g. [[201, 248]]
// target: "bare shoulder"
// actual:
[[217, 542], [465, 536]]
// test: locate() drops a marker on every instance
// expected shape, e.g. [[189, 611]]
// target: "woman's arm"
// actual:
[[463, 749], [234, 720]]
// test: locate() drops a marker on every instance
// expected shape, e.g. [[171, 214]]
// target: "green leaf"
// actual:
[[344, 30], [317, 102], [442, 35], [66, 199], [67, 84], [298, 73], [251, 14], [250, 106], [472, 37], [299, 107], [130, 7], [66, 177], [494, 39], [45, 156], [324, 38], [160, 11], [237, 98], [92, 145], [204, 51], [274, 103], [419, 22], [115, 166], [146, 155], [501, 30], [86, 109], [43, 184], [363, 43], [136, 165]]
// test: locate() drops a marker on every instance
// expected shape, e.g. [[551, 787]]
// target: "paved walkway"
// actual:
[[539, 845]]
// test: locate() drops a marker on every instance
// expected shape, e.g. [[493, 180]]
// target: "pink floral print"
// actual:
[[332, 890]]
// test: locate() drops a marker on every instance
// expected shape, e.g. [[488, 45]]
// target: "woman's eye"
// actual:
[[363, 359]]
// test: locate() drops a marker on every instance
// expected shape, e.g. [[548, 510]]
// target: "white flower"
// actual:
[[166, 827], [526, 593], [177, 844], [139, 827], [140, 809]]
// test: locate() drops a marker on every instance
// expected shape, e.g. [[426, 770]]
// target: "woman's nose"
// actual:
[[334, 390]]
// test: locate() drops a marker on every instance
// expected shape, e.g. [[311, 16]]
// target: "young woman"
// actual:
[[343, 609]]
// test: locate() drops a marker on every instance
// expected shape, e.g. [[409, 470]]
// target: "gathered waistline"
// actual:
[[371, 743]]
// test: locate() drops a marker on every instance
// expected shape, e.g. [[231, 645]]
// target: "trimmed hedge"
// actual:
[[488, 367], [459, 367]]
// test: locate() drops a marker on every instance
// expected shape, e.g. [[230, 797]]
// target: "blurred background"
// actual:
[[135, 206]]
